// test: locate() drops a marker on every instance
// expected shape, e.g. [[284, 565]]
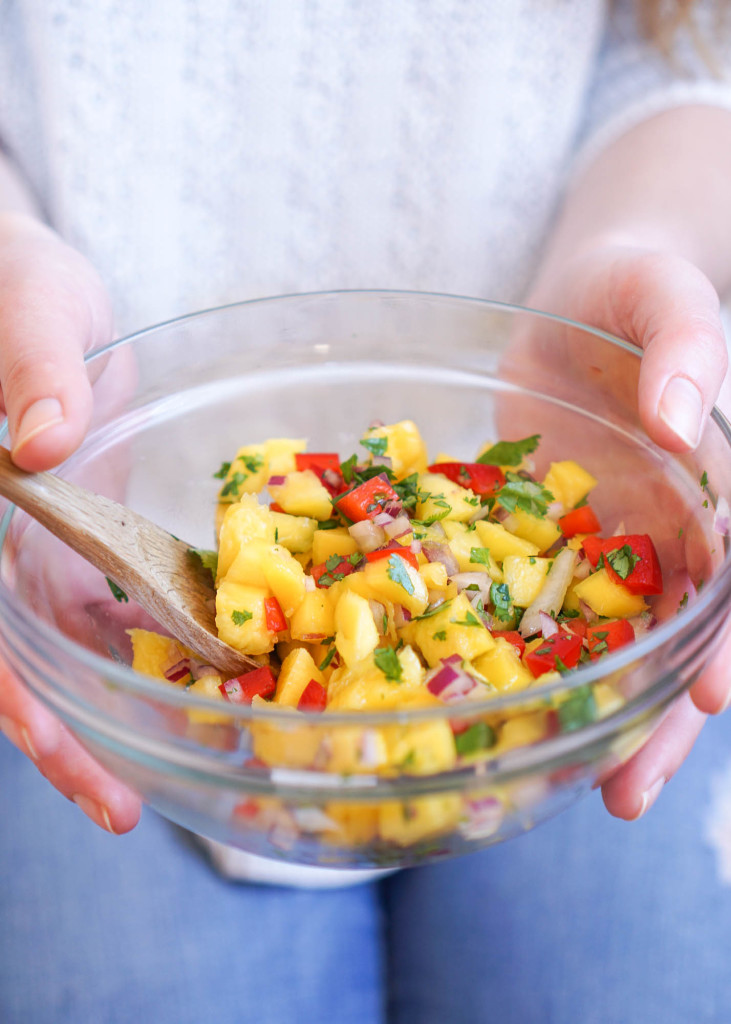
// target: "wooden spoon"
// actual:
[[150, 565]]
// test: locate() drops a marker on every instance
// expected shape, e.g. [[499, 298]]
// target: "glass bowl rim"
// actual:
[[125, 678]]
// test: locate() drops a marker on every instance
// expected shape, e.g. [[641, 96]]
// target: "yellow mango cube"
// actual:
[[356, 634], [152, 653], [293, 532], [298, 669], [280, 453], [248, 473], [605, 597], [442, 499], [569, 482], [242, 523], [503, 668], [241, 620], [406, 822], [314, 618], [420, 749], [365, 686], [393, 579], [208, 687], [302, 494], [543, 532], [501, 542], [326, 543], [404, 447], [455, 628], [285, 577], [525, 578]]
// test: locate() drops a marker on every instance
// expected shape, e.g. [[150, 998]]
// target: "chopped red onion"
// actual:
[[400, 526], [383, 519], [583, 569], [415, 547], [276, 481], [313, 637], [642, 623], [441, 553], [483, 817], [552, 593], [367, 535], [722, 518], [558, 545], [198, 670], [178, 671], [310, 583], [500, 514], [589, 614], [378, 612], [382, 460], [450, 683], [401, 616], [549, 626], [473, 579], [555, 510], [331, 479], [482, 513], [619, 530]]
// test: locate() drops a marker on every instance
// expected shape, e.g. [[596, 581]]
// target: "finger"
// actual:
[[633, 788], [711, 693], [43, 739], [670, 309], [53, 308]]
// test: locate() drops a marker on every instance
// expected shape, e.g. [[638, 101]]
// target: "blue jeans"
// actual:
[[587, 920]]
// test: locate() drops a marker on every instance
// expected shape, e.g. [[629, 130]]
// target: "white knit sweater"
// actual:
[[204, 151]]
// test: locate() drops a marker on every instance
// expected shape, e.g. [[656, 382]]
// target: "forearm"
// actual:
[[662, 186]]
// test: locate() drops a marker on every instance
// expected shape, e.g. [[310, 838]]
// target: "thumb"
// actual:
[[53, 308], [666, 306]]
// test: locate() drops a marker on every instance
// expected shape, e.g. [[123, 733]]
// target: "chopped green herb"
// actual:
[[704, 480], [347, 468], [509, 453], [432, 611], [252, 463], [441, 634], [532, 559], [500, 597], [479, 736], [481, 556], [569, 613], [398, 572], [583, 502], [375, 445], [601, 635], [680, 532], [578, 710], [240, 617], [561, 667], [623, 560], [407, 490], [327, 524], [222, 472], [276, 534], [468, 620], [119, 594], [327, 659], [524, 495], [544, 650], [233, 485], [333, 562], [208, 559], [683, 601], [384, 624], [600, 648], [705, 503], [387, 660]]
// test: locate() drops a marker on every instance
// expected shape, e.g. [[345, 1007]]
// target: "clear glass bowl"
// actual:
[[176, 400]]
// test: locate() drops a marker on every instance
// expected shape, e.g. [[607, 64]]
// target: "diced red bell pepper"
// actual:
[[483, 480], [513, 637], [394, 548], [248, 808], [331, 569], [564, 646], [314, 697], [274, 615], [242, 689], [608, 636], [579, 520], [274, 507], [368, 499], [645, 577], [326, 466], [577, 626]]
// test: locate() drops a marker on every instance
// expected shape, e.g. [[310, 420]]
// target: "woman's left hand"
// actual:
[[668, 308]]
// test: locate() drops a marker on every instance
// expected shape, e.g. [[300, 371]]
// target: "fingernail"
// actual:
[[681, 409], [18, 736], [41, 416], [96, 811], [650, 796]]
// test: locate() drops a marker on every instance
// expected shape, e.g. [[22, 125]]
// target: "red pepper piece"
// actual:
[[331, 570], [577, 626], [274, 507], [242, 689], [646, 575], [513, 637], [608, 636], [482, 480], [246, 809], [394, 548], [314, 697], [326, 466], [368, 499], [579, 520], [274, 615], [564, 646]]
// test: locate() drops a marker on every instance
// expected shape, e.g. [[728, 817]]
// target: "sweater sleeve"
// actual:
[[634, 80]]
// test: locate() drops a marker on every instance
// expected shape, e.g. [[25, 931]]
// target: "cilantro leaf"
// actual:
[[327, 659], [252, 463], [704, 480], [623, 560], [347, 468], [240, 617], [441, 634], [479, 736], [432, 611], [233, 485], [387, 660], [375, 445], [500, 597], [208, 559], [222, 472], [119, 594], [525, 495], [509, 453], [578, 710], [396, 570], [468, 620], [481, 556], [407, 490]]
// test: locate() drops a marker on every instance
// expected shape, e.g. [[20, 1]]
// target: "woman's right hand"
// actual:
[[53, 309]]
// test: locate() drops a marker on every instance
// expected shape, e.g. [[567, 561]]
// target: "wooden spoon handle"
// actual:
[[147, 562]]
